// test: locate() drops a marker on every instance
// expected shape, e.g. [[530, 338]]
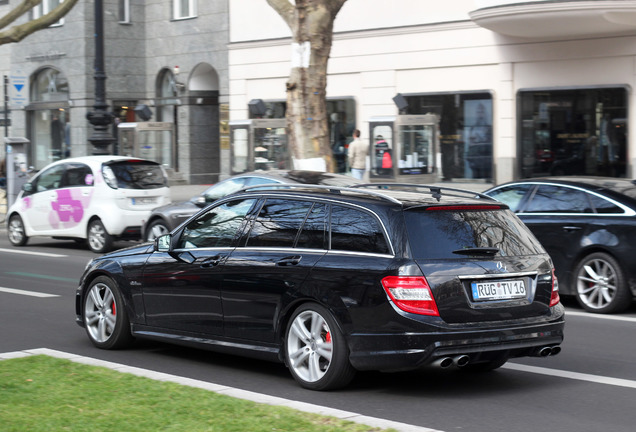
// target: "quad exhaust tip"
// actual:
[[446, 362]]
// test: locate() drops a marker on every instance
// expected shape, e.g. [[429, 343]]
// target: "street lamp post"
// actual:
[[100, 118]]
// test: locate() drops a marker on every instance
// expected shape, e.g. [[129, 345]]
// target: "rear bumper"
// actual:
[[396, 352]]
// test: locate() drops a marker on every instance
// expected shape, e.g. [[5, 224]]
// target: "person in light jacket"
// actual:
[[357, 156]]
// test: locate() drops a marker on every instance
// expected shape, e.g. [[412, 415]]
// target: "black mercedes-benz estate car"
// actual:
[[332, 280]]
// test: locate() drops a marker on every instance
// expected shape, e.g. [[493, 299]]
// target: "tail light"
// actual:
[[554, 296], [411, 294]]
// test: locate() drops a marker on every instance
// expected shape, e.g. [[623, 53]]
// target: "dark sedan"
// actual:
[[588, 226], [164, 219]]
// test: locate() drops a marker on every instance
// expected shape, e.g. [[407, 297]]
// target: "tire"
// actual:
[[105, 317], [99, 241], [15, 231], [316, 352], [601, 286], [155, 229]]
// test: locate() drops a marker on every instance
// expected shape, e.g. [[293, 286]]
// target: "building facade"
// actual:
[[166, 68], [513, 89], [468, 90]]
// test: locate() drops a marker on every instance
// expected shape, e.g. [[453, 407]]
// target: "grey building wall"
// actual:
[[135, 55]]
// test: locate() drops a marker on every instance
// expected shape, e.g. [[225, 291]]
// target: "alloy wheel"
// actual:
[[309, 346], [100, 313]]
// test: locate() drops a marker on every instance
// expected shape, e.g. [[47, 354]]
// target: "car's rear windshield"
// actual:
[[140, 174], [444, 234]]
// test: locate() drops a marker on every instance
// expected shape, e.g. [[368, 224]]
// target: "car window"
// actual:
[[356, 230], [559, 199], [314, 231], [441, 234], [601, 205], [218, 227], [277, 223], [78, 174], [134, 174], [511, 195], [50, 179]]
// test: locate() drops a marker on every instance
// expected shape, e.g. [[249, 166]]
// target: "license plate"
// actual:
[[143, 200], [498, 290]]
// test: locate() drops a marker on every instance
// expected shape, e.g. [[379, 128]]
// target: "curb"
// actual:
[[220, 389]]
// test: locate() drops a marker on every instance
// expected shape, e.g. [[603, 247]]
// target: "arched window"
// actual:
[[166, 93], [49, 85]]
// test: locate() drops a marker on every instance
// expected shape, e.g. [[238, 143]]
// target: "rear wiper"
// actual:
[[477, 251]]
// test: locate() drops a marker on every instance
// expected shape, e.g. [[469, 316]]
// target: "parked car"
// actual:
[[335, 280], [588, 226], [94, 198], [166, 218]]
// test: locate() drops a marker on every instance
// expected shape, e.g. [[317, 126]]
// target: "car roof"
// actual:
[[96, 160], [609, 185], [405, 195]]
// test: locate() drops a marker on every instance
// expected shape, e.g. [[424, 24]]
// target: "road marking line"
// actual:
[[39, 276], [27, 293], [52, 255], [600, 316], [221, 389], [572, 375]]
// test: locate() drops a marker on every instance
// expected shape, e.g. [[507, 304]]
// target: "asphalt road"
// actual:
[[590, 386]]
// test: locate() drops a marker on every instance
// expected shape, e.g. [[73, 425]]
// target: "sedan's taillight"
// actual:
[[554, 297], [411, 294]]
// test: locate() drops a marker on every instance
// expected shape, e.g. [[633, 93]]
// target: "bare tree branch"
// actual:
[[17, 12], [285, 9], [19, 32]]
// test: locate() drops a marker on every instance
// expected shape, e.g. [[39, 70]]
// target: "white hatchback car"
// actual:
[[94, 198]]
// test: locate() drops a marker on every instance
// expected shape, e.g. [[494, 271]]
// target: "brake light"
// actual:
[[554, 296], [411, 294]]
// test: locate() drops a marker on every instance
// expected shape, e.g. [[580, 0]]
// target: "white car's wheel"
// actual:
[[156, 229], [99, 241], [17, 235]]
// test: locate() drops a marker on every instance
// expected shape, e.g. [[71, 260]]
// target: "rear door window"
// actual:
[[444, 234], [277, 223], [559, 199], [78, 175]]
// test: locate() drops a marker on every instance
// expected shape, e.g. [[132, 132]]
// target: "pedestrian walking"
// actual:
[[357, 156]]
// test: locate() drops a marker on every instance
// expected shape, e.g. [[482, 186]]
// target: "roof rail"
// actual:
[[332, 189], [435, 191]]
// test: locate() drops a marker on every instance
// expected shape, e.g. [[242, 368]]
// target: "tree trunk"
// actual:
[[311, 23]]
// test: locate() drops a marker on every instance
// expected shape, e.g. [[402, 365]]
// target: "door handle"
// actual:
[[211, 262], [571, 228], [292, 260]]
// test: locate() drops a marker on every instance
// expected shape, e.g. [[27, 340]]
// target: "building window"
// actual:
[[45, 7], [124, 11], [573, 132], [465, 131], [49, 118], [184, 9]]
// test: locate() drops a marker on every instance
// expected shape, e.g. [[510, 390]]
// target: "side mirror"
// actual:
[[27, 187], [162, 243], [200, 201]]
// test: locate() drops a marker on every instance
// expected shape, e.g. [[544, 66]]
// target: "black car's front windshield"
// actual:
[[444, 234]]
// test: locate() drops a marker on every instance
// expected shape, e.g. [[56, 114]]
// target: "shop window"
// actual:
[[466, 138], [341, 114], [167, 93], [184, 9], [573, 132]]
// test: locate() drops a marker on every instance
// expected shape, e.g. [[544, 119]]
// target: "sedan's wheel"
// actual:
[[156, 229], [600, 284], [99, 241], [105, 316], [17, 235], [316, 351]]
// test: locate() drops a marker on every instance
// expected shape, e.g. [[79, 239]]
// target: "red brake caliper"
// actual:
[[113, 309], [328, 337]]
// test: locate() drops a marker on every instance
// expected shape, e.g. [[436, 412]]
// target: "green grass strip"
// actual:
[[42, 393]]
